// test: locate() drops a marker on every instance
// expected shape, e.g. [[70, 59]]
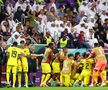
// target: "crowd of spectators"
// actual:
[[38, 22]]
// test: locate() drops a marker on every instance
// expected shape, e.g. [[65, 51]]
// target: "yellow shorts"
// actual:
[[65, 79], [45, 67], [11, 67], [85, 74], [56, 67], [104, 74], [72, 82], [22, 67], [76, 76]]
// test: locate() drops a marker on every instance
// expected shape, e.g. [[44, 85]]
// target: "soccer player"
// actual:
[[86, 71], [62, 56], [13, 54], [34, 64], [56, 70], [98, 80], [46, 68], [100, 63], [65, 76], [78, 68], [57, 64], [23, 63]]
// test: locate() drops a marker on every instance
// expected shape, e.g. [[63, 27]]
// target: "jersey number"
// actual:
[[87, 65], [14, 54]]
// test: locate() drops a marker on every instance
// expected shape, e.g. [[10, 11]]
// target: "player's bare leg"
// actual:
[[55, 79], [93, 78], [61, 80], [46, 79], [58, 78], [42, 79]]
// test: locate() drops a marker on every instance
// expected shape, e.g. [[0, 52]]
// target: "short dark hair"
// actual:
[[85, 55], [76, 54], [50, 44], [22, 41], [15, 44], [106, 19], [101, 43], [27, 44], [69, 55], [96, 44]]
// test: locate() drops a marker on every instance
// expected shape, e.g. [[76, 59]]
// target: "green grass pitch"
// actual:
[[58, 88]]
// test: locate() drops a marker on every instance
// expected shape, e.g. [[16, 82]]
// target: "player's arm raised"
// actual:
[[93, 52], [36, 55]]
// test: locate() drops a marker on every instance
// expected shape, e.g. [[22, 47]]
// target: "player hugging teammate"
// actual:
[[58, 67], [69, 70]]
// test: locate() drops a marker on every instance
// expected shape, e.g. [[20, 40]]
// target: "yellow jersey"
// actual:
[[62, 56], [26, 53], [67, 66], [47, 55], [14, 52], [57, 59], [87, 64]]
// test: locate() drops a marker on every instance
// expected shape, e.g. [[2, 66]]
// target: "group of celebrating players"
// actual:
[[58, 67]]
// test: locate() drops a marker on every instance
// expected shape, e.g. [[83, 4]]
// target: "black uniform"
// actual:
[[33, 66]]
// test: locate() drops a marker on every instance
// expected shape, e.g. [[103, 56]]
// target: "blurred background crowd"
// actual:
[[68, 23]]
